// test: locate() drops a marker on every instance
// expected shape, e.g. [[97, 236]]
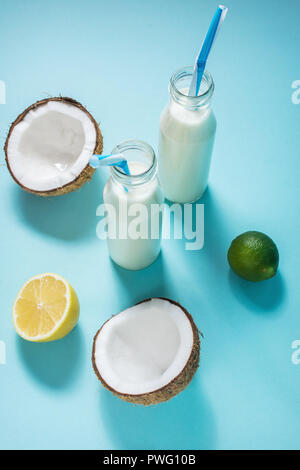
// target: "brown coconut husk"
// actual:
[[86, 173], [177, 385]]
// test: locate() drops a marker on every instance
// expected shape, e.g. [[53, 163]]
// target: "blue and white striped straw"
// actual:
[[200, 62], [115, 159]]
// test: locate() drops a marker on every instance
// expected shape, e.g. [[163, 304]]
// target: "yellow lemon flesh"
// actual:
[[46, 308]]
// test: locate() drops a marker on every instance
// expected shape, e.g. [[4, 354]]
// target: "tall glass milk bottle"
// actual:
[[186, 138], [134, 207]]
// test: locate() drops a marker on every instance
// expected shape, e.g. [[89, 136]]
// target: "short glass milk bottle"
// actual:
[[186, 138], [134, 205]]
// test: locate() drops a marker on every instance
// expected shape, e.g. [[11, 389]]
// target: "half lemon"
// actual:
[[46, 308]]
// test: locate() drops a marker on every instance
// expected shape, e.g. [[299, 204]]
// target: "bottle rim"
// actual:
[[140, 178], [191, 101]]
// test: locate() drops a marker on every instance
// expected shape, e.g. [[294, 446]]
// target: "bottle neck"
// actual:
[[179, 87], [141, 161]]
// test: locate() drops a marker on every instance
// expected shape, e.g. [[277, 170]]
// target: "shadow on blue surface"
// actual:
[[265, 296], [55, 364], [151, 282], [185, 422], [216, 230], [67, 217]]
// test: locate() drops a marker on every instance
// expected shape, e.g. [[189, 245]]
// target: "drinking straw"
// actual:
[[115, 159], [201, 59]]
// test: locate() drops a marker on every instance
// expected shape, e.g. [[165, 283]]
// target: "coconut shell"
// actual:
[[177, 385], [86, 173]]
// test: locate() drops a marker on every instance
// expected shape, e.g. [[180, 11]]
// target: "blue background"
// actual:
[[116, 58]]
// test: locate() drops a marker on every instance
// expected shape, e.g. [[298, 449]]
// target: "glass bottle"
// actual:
[[134, 215], [186, 138]]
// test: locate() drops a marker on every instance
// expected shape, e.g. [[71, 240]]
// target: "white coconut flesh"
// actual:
[[144, 347], [51, 146]]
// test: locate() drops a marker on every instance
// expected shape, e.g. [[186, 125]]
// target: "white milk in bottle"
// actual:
[[186, 138], [136, 203]]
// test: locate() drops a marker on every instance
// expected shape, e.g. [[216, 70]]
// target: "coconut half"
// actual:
[[49, 146], [148, 353]]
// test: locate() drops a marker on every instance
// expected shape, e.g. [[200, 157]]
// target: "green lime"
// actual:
[[253, 256]]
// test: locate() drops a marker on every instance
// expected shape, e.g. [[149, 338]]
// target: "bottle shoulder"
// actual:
[[148, 192], [176, 118]]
